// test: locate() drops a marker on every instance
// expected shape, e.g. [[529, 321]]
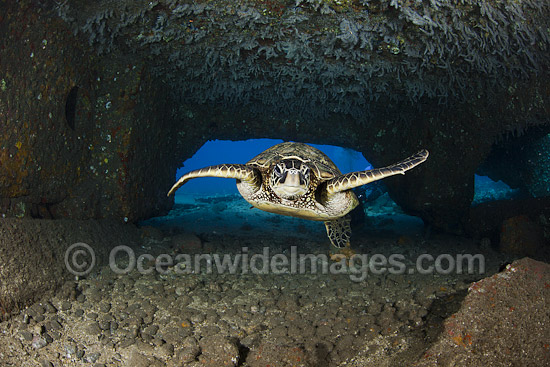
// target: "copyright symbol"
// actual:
[[76, 258]]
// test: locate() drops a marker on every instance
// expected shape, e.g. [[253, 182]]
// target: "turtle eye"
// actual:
[[304, 177], [278, 171]]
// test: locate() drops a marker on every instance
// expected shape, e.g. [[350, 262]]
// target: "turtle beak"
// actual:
[[292, 186], [293, 179]]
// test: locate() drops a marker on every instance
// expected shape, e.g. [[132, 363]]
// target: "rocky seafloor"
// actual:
[[187, 316]]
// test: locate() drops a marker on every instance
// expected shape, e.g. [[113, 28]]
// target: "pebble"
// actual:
[[146, 292], [132, 333], [133, 307], [250, 341], [135, 321], [168, 349], [140, 313], [151, 330], [104, 325], [136, 359], [212, 317], [210, 330], [279, 331], [214, 298], [95, 296], [39, 318], [147, 320], [179, 291], [50, 308], [38, 342], [184, 301], [188, 350], [127, 342], [230, 311], [53, 325], [48, 338], [197, 318], [38, 309], [222, 351], [38, 329], [93, 328], [113, 326], [70, 350], [26, 335], [92, 357], [105, 307]]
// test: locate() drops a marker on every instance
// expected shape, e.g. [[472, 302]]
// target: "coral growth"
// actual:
[[318, 57]]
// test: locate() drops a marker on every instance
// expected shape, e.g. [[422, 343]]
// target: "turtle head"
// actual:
[[290, 179]]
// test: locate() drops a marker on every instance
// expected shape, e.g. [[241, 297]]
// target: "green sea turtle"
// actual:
[[299, 180]]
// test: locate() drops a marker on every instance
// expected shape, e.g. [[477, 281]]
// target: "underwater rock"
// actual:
[[188, 351], [38, 342], [269, 353], [486, 219], [219, 351], [521, 236], [503, 318], [133, 357]]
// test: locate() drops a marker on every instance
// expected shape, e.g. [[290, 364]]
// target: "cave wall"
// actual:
[[157, 79], [82, 136]]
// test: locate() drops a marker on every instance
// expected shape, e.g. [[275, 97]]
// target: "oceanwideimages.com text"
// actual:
[[123, 260]]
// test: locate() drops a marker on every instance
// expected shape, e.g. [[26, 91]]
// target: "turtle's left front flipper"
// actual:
[[355, 179], [339, 231]]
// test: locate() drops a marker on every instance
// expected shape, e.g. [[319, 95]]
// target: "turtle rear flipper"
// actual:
[[238, 171], [339, 231], [355, 179]]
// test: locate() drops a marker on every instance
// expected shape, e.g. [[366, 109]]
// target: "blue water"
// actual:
[[489, 190], [225, 151]]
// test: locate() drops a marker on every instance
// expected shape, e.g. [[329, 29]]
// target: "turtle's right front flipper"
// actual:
[[237, 171]]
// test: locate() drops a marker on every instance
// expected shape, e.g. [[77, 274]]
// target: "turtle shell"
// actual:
[[319, 163]]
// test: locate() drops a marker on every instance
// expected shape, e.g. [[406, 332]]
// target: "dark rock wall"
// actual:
[[40, 154], [80, 134], [157, 79]]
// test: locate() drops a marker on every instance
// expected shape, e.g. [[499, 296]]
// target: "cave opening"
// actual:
[[516, 168], [487, 189], [214, 205]]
